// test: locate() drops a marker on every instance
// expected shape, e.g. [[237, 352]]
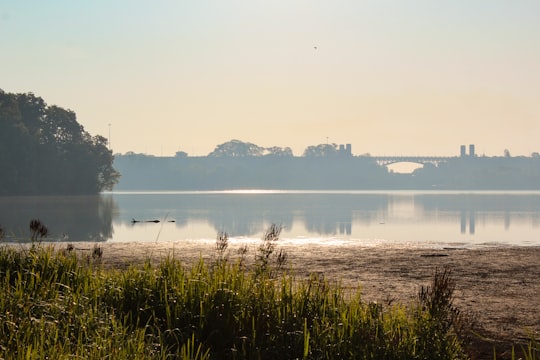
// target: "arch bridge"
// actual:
[[388, 160]]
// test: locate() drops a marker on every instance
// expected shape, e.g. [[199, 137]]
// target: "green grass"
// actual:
[[56, 304]]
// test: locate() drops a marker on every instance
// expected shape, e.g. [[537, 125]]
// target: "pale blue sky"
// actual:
[[389, 77]]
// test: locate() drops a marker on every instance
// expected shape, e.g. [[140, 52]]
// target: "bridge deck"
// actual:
[[387, 160]]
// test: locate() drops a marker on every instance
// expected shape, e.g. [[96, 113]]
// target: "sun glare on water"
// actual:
[[252, 191]]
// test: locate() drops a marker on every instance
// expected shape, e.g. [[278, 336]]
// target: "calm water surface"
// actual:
[[433, 219]]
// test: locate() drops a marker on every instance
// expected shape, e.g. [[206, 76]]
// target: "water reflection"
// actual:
[[68, 218], [501, 218], [505, 208], [249, 214]]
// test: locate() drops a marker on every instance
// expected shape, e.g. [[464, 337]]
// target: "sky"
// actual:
[[418, 77]]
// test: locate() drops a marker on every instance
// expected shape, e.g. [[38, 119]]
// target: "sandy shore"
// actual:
[[499, 285]]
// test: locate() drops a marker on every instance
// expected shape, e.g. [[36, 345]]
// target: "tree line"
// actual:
[[243, 165], [240, 149], [45, 151]]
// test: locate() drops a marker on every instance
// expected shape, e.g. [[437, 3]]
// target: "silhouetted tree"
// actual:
[[279, 151], [44, 150], [237, 148], [322, 150]]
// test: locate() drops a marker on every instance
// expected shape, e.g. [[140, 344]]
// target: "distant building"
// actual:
[[471, 150], [463, 151], [345, 150]]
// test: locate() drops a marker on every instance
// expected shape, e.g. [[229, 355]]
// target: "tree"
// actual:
[[46, 151], [237, 148], [32, 109], [321, 150], [15, 145], [278, 151], [60, 127], [105, 174]]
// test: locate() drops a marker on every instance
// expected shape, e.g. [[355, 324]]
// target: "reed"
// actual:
[[57, 304]]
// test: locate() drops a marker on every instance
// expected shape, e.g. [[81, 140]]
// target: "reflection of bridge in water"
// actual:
[[435, 160]]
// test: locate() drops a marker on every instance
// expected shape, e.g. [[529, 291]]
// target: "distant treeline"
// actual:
[[45, 151], [322, 167]]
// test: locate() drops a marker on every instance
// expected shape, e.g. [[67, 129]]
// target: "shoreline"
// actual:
[[498, 286]]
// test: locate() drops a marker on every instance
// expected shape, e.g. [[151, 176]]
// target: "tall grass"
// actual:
[[56, 304]]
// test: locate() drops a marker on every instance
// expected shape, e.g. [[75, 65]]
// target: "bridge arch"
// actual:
[[407, 164], [403, 167], [387, 160]]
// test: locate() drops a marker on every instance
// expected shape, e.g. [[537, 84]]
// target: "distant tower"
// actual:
[[345, 150], [471, 150], [463, 151]]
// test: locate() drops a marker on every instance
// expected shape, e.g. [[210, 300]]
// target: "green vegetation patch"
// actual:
[[57, 304]]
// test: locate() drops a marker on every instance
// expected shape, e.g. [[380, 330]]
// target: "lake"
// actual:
[[370, 218]]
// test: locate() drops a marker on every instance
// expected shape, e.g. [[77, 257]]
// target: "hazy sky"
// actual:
[[389, 77]]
